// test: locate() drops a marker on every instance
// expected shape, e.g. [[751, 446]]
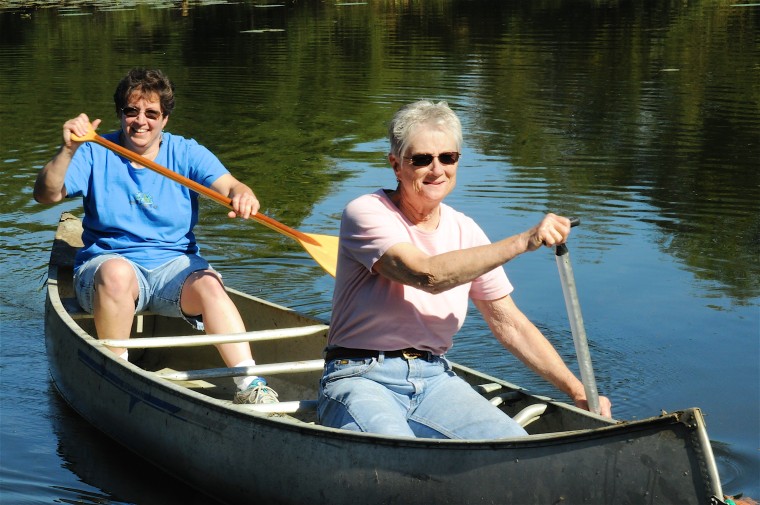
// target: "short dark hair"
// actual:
[[145, 82]]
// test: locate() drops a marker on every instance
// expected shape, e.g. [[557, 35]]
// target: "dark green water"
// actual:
[[642, 118]]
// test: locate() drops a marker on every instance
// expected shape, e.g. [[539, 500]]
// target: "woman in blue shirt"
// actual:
[[139, 248]]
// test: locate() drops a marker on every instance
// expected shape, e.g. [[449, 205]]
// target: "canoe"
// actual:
[[171, 405]]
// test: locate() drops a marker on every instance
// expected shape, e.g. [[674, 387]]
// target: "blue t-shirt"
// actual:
[[136, 212]]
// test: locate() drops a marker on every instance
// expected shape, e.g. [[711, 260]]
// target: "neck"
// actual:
[[426, 217]]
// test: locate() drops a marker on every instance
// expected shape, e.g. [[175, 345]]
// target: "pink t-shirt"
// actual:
[[372, 312]]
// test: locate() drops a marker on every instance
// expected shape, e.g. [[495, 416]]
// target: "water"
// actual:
[[642, 118]]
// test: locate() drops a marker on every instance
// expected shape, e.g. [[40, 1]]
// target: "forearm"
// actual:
[[242, 200], [521, 337], [524, 340], [409, 265], [541, 357], [49, 186], [442, 272]]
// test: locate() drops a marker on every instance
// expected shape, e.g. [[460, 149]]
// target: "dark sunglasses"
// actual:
[[134, 112], [423, 160]]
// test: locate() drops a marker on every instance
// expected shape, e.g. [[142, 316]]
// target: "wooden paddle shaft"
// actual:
[[198, 188]]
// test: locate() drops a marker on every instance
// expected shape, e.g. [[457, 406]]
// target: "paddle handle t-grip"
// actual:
[[576, 323]]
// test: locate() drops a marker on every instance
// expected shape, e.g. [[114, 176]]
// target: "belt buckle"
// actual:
[[412, 354]]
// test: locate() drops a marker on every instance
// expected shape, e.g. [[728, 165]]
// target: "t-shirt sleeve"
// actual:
[[491, 285], [205, 167], [368, 229]]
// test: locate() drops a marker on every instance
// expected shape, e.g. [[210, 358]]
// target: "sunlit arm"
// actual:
[[244, 202], [49, 186], [521, 337], [407, 264]]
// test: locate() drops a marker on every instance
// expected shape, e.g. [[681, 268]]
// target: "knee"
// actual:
[[115, 278], [206, 284]]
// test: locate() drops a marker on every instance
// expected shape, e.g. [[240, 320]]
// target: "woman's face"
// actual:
[[426, 185], [141, 133]]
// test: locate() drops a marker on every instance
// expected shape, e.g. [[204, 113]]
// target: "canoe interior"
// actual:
[[261, 315], [662, 460]]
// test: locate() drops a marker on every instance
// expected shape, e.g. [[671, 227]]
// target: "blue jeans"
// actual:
[[412, 398], [159, 289]]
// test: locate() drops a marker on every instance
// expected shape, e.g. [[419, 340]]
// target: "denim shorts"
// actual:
[[412, 398], [159, 289]]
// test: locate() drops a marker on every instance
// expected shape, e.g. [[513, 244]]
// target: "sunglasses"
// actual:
[[134, 112], [423, 160]]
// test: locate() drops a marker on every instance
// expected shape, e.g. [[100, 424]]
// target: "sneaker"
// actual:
[[257, 392]]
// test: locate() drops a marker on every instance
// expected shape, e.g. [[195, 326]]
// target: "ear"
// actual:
[[395, 164]]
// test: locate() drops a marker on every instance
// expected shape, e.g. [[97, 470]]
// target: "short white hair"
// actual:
[[425, 112]]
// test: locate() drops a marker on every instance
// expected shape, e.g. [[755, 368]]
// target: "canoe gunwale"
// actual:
[[303, 447]]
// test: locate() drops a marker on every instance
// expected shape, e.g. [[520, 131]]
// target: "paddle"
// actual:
[[576, 323], [323, 248]]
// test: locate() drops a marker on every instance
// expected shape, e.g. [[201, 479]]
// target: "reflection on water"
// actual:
[[127, 478], [642, 119]]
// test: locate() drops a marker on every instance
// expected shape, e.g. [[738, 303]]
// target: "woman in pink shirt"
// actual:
[[407, 266]]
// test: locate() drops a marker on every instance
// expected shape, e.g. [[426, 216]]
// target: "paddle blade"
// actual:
[[324, 252]]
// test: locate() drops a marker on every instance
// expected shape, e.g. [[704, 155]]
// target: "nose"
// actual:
[[436, 167]]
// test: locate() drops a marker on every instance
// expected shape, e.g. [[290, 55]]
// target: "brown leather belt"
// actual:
[[348, 353]]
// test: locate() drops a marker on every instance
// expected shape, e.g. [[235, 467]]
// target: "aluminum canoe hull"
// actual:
[[237, 455]]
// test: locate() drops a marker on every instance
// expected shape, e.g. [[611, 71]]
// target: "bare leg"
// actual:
[[204, 294], [113, 305]]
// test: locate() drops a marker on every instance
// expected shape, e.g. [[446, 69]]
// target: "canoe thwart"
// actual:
[[487, 388], [294, 407], [198, 340], [523, 418], [240, 371], [529, 414], [509, 396]]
